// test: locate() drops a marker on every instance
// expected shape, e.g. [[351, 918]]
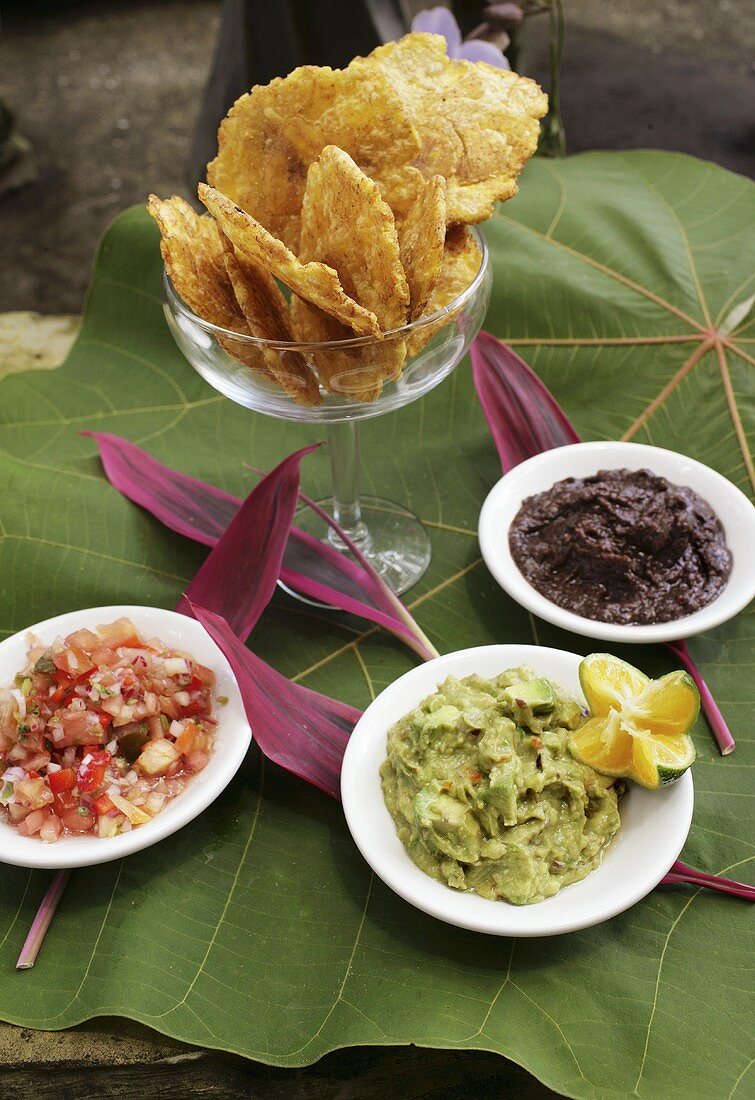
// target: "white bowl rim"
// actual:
[[88, 851], [542, 471], [361, 794]]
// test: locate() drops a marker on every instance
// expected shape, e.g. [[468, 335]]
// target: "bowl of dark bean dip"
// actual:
[[621, 541]]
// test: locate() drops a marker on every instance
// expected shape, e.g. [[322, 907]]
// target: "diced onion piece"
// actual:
[[176, 666], [155, 803]]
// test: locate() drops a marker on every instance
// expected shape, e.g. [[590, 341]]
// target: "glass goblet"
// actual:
[[389, 535]]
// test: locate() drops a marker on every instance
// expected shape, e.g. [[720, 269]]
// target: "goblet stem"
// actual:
[[343, 443]]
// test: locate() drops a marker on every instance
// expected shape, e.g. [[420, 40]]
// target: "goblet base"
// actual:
[[391, 537]]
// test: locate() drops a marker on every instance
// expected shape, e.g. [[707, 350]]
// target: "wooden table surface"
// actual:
[[122, 1059]]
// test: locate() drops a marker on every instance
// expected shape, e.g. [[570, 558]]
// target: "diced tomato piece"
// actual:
[[80, 820], [204, 676], [33, 822], [199, 706], [80, 727], [84, 639], [65, 802], [52, 828], [91, 774], [197, 759], [103, 805], [120, 633], [60, 691], [64, 780], [104, 657], [187, 737], [73, 661], [105, 719]]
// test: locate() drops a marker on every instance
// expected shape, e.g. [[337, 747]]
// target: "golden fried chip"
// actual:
[[194, 260], [347, 223], [461, 262], [271, 136], [421, 237], [317, 282], [478, 125], [357, 373], [266, 313]]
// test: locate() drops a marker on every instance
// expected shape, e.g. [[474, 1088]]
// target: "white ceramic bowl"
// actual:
[[537, 474], [653, 831], [231, 743]]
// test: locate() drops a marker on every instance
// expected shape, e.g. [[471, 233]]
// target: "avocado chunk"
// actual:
[[535, 694], [444, 718], [452, 826]]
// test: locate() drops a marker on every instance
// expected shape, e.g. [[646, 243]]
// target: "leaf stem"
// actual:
[[681, 873], [42, 921]]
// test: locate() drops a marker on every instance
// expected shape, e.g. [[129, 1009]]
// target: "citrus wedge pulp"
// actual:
[[638, 728]]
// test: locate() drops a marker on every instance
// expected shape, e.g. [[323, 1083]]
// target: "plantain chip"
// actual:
[[461, 262], [347, 223], [194, 259], [266, 313], [315, 281], [271, 136], [422, 237], [477, 124]]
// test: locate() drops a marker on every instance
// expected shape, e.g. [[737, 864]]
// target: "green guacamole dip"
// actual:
[[485, 795]]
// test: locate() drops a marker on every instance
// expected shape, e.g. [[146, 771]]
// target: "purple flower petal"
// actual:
[[439, 21], [477, 50]]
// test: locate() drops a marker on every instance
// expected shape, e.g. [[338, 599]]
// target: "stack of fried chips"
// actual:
[[352, 188]]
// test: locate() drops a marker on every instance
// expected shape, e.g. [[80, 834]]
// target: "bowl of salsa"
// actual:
[[118, 725]]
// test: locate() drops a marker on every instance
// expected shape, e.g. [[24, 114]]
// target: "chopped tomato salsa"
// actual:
[[100, 731]]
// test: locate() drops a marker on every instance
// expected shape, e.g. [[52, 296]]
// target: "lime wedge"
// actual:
[[638, 728]]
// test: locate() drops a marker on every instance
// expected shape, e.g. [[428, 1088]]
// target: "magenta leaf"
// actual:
[[681, 873], [239, 575], [202, 512], [525, 419], [523, 415], [184, 504], [304, 732]]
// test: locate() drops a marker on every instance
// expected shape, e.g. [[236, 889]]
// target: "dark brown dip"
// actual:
[[622, 546]]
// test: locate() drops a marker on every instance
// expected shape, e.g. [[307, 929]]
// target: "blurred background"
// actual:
[[111, 100]]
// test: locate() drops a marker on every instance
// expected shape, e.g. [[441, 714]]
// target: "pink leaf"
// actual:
[[304, 732], [202, 512], [523, 415], [238, 577]]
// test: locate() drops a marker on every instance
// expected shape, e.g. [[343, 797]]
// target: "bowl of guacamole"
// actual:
[[485, 795], [460, 793]]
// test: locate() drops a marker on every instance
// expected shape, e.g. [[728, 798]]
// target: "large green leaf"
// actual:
[[259, 929]]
